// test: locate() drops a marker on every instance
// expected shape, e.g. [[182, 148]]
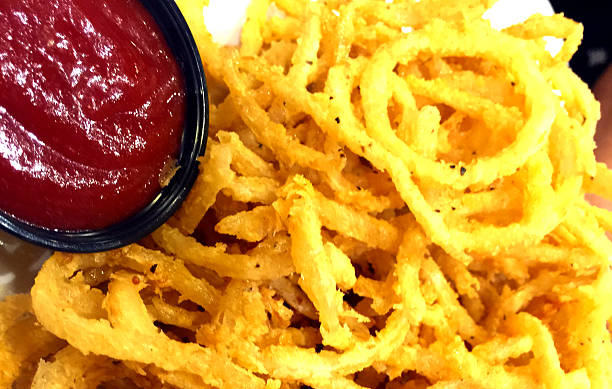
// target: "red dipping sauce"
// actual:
[[92, 106]]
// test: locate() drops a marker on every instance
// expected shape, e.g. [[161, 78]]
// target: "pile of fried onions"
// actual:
[[393, 196]]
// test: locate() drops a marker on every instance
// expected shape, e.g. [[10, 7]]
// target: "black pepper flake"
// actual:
[[437, 210], [153, 268], [358, 187], [200, 308], [592, 178], [453, 208], [452, 166], [318, 348], [491, 188], [337, 119], [462, 170], [259, 145], [513, 83], [257, 266], [331, 97], [473, 152], [468, 346], [309, 62]]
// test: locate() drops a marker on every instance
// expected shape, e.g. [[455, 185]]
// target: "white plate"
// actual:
[[19, 261]]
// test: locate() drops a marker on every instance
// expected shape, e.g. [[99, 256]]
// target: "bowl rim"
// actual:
[[178, 36]]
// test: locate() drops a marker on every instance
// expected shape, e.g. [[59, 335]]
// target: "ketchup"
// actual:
[[92, 106]]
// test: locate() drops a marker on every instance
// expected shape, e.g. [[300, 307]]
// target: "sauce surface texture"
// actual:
[[91, 110]]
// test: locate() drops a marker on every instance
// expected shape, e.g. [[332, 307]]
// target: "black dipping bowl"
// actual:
[[179, 38]]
